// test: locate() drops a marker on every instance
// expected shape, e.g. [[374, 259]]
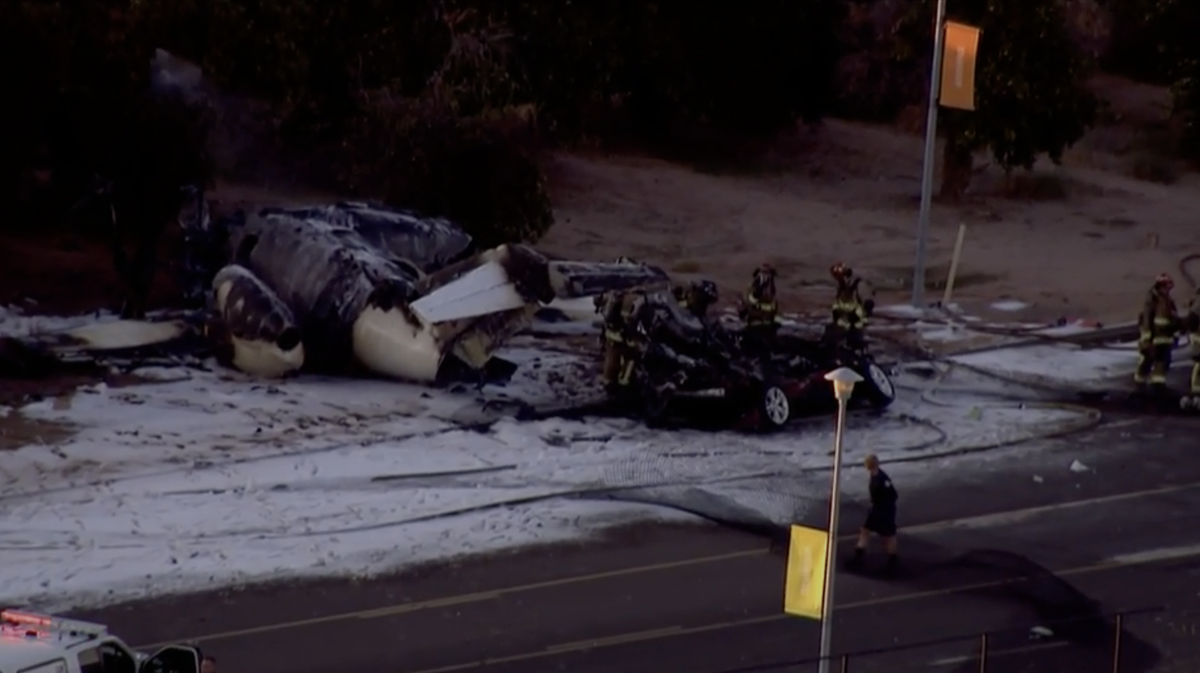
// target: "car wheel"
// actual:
[[880, 390], [776, 408]]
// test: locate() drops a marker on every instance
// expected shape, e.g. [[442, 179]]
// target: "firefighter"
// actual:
[[1192, 326], [853, 303], [622, 342], [1158, 324], [609, 305], [759, 309], [697, 297], [634, 343]]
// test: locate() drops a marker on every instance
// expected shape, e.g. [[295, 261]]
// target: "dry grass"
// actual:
[[686, 266], [1151, 166], [1134, 135], [1034, 186]]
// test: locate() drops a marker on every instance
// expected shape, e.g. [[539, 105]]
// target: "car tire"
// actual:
[[878, 386], [775, 407]]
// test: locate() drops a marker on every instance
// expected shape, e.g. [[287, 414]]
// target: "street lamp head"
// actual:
[[843, 380]]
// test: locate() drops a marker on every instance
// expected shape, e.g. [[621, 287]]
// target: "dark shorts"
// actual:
[[882, 522]]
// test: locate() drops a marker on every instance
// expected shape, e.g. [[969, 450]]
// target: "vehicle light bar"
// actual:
[[46, 623]]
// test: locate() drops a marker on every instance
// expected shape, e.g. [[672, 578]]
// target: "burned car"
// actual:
[[701, 371]]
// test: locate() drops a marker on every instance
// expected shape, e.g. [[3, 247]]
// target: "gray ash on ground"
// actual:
[[551, 374]]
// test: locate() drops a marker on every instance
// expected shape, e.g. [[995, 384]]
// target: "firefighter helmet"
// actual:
[[840, 271], [706, 291], [765, 269]]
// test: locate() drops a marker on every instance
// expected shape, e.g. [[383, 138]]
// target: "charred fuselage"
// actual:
[[385, 290]]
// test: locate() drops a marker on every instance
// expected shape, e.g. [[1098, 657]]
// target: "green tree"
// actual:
[[1174, 25], [1139, 42], [1164, 49], [576, 61], [750, 68], [1030, 82]]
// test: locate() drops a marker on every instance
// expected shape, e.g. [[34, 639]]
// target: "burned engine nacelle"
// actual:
[[256, 330]]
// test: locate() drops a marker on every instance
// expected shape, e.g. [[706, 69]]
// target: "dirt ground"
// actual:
[[1081, 241], [1078, 241]]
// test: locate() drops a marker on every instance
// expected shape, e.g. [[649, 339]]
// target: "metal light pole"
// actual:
[[939, 37], [843, 380]]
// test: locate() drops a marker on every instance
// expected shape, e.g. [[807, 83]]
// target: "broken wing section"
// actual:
[[474, 306], [485, 289], [256, 330], [504, 278], [588, 279]]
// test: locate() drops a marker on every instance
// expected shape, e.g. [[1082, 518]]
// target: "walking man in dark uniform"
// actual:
[[881, 519]]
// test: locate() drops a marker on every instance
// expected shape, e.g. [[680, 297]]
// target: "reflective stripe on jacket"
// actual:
[[760, 312], [849, 305], [1158, 321]]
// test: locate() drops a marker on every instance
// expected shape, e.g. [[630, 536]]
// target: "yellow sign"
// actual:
[[958, 66], [804, 582]]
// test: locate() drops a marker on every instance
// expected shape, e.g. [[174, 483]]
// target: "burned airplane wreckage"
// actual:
[[358, 287], [350, 288], [346, 288]]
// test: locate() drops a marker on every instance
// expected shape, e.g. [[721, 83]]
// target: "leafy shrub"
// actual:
[[1031, 186], [1154, 167], [478, 171]]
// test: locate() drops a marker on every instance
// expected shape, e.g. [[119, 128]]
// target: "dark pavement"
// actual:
[[705, 599]]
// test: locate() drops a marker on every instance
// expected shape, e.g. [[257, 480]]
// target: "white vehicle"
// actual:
[[35, 643]]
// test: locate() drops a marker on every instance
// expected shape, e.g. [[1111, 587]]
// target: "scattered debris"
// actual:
[[1040, 632], [1010, 305]]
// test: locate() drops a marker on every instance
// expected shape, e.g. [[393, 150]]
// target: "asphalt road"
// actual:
[[706, 599]]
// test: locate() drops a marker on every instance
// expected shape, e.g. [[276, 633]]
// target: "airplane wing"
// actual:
[[111, 335], [587, 279], [513, 276], [484, 290]]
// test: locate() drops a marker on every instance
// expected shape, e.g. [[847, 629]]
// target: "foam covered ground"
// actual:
[[208, 479]]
